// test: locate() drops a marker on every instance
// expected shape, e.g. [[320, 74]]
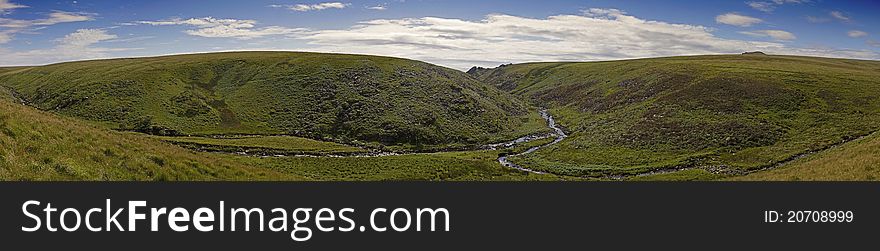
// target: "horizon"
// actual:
[[488, 34], [462, 70]]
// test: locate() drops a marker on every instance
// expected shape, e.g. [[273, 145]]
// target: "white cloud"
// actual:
[[5, 36], [204, 22], [833, 15], [775, 34], [85, 37], [78, 45], [770, 6], [226, 28], [6, 6], [15, 23], [856, 33], [790, 1], [56, 17], [840, 16], [762, 6], [378, 7], [874, 43], [312, 7], [14, 26], [737, 20], [600, 34]]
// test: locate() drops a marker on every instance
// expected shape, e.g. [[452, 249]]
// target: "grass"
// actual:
[[333, 97], [684, 175], [736, 112], [857, 160], [266, 144], [728, 114], [447, 166], [42, 146]]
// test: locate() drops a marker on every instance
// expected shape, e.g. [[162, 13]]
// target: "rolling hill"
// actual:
[[39, 145], [335, 97], [725, 114], [290, 116], [42, 146]]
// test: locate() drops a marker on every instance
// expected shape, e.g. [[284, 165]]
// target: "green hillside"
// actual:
[[263, 145], [293, 116], [723, 114], [857, 160], [38, 145], [335, 97]]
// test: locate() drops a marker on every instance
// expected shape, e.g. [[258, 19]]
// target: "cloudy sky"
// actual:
[[457, 34]]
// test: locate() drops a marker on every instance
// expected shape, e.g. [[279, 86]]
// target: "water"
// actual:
[[557, 132]]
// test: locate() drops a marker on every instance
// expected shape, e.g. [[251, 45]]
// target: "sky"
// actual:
[[452, 33]]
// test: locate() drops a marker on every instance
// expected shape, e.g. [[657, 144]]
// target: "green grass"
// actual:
[[856, 160], [684, 175], [42, 146], [731, 111], [266, 144], [466, 165], [11, 70], [448, 166], [334, 97], [729, 114]]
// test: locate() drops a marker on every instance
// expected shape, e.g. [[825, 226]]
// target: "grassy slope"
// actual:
[[858, 160], [729, 112], [320, 96], [41, 146], [455, 166], [667, 111], [4, 70], [281, 144]]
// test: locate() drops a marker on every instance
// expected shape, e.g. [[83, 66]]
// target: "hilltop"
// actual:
[[726, 114], [335, 97]]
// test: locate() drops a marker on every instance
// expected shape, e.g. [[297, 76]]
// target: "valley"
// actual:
[[557, 136], [313, 116], [693, 118]]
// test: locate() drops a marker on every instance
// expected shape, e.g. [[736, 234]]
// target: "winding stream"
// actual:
[[557, 132]]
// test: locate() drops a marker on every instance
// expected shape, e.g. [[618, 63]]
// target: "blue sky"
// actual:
[[456, 34]]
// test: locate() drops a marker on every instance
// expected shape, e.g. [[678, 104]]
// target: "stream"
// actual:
[[557, 132]]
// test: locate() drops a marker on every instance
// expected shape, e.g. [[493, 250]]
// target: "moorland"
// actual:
[[315, 116]]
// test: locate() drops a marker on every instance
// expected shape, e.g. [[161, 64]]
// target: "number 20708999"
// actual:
[[808, 216]]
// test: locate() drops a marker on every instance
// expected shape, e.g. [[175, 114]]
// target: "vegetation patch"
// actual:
[[734, 112], [264, 145], [41, 146], [331, 97]]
